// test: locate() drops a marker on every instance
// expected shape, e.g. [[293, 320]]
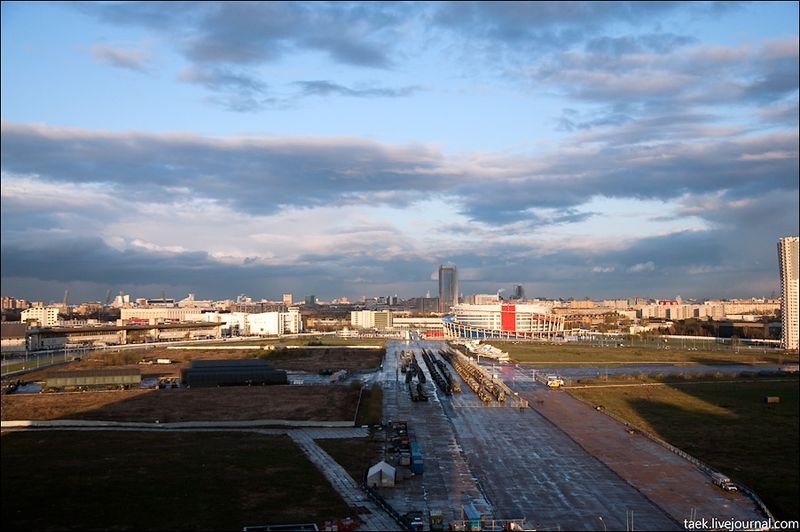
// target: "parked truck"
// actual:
[[436, 521], [723, 482]]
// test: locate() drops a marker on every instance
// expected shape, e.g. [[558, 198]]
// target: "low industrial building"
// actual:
[[105, 335], [241, 372], [93, 378], [13, 337]]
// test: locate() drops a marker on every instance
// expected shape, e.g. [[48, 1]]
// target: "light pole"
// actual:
[[600, 517]]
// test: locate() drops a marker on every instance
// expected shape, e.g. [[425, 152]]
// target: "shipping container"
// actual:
[[417, 463], [94, 378]]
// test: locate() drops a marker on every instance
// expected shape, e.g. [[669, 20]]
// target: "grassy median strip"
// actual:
[[159, 481], [727, 424]]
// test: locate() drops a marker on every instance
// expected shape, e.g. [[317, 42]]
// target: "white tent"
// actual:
[[381, 475]]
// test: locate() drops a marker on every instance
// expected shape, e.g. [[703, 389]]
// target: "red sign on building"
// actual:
[[508, 318]]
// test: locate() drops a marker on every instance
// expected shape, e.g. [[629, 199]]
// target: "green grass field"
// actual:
[[639, 377], [726, 424], [562, 354], [160, 481], [355, 455]]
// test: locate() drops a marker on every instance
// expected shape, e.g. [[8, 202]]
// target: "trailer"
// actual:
[[93, 379]]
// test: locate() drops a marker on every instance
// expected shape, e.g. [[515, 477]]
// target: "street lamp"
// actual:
[[600, 517]]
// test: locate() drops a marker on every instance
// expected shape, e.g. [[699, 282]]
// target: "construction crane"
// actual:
[[103, 312]]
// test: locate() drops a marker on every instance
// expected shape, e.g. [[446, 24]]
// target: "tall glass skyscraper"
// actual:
[[448, 287], [790, 294]]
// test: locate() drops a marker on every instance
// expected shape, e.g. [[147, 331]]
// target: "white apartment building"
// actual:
[[483, 299], [274, 323], [790, 294], [681, 311], [370, 319], [264, 323], [618, 304], [46, 316], [228, 320]]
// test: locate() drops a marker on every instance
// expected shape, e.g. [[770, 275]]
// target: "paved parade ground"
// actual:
[[558, 463]]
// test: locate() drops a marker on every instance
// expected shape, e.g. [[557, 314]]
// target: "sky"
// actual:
[[602, 150]]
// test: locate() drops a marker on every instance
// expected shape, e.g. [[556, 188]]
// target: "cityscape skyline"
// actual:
[[576, 149]]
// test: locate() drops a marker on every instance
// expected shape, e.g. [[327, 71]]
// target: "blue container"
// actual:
[[417, 463]]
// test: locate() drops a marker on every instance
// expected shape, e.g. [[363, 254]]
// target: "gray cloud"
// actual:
[[161, 15], [93, 266], [630, 44], [235, 91], [256, 174], [227, 39], [260, 175], [620, 72], [224, 41], [326, 88], [251, 33], [736, 257], [130, 59], [221, 79], [550, 24]]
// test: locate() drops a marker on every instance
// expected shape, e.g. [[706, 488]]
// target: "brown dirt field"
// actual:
[[319, 403], [334, 358], [312, 360]]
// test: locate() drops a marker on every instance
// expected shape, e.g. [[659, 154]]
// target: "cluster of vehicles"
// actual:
[[440, 374], [409, 366], [480, 383], [168, 382]]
